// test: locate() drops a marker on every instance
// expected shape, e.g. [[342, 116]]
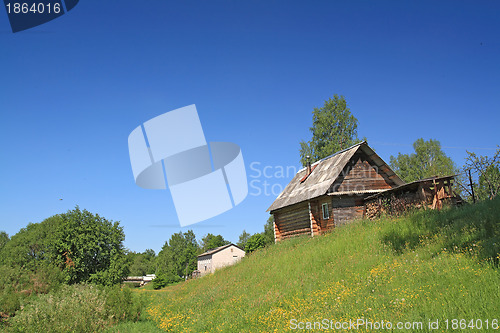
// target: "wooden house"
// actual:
[[219, 257], [331, 192]]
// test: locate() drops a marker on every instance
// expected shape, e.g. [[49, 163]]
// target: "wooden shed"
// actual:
[[430, 193], [331, 192]]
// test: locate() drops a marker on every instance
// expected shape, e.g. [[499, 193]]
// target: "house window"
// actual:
[[205, 267], [326, 213]]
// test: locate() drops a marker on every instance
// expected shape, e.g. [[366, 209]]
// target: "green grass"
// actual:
[[425, 266], [421, 267], [76, 308], [144, 326]]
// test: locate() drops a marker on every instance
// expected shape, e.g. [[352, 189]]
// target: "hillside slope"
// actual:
[[420, 268]]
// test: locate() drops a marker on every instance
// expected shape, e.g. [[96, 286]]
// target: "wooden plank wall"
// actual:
[[347, 209], [322, 225], [292, 221], [297, 219], [359, 175]]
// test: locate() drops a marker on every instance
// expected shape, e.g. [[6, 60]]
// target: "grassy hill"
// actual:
[[424, 267]]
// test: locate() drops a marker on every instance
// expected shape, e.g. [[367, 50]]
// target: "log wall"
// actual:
[[306, 218], [292, 221], [322, 225], [347, 209]]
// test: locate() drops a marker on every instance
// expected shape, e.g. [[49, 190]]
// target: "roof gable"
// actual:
[[325, 174]]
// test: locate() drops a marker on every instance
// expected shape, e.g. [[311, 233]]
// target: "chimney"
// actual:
[[309, 169]]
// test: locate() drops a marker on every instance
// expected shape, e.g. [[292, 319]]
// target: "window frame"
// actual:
[[323, 211]]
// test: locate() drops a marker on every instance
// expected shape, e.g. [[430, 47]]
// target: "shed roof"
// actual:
[[411, 186], [326, 171], [217, 249]]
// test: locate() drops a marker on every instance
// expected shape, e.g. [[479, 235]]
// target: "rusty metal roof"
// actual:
[[326, 172]]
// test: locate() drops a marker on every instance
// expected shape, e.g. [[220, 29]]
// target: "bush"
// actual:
[[255, 242], [77, 308], [10, 302], [122, 305], [163, 280], [17, 283]]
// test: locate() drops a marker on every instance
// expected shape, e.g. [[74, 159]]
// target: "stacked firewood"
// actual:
[[393, 205]]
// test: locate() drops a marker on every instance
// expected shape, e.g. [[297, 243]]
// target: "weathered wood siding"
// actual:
[[347, 209], [360, 175], [427, 193], [291, 221], [322, 225], [297, 219]]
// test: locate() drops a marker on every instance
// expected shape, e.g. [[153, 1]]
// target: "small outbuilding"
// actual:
[[428, 193], [219, 257]]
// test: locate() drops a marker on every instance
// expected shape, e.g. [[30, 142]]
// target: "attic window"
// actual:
[[326, 213]]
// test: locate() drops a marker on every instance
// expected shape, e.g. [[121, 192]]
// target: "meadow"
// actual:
[[428, 271]]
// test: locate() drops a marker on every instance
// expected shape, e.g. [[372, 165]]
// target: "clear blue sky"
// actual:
[[73, 89]]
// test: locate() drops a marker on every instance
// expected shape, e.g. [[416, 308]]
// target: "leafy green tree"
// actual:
[[142, 263], [84, 246], [212, 241], [27, 263], [149, 254], [178, 255], [191, 253], [489, 183], [255, 242], [258, 240], [242, 241], [165, 260], [427, 161], [90, 248], [32, 246], [334, 128], [269, 231], [4, 238], [487, 170]]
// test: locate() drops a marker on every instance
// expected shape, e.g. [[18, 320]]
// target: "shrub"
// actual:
[[255, 242], [17, 283], [10, 302], [122, 305], [163, 280], [77, 308]]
